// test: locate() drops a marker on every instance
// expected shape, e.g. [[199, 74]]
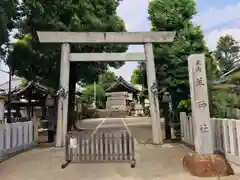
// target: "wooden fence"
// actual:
[[226, 134], [15, 137], [100, 147]]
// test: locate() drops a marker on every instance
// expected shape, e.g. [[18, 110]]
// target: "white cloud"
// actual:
[[3, 76], [218, 16], [214, 35], [135, 15], [217, 22]]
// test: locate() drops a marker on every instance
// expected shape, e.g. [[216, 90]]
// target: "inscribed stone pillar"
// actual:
[[200, 104]]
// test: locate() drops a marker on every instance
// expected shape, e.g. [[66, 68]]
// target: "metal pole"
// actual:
[[94, 103]]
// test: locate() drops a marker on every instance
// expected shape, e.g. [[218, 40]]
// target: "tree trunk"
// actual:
[[167, 120], [71, 95], [210, 100]]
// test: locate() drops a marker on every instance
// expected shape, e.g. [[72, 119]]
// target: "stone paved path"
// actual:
[[153, 163]]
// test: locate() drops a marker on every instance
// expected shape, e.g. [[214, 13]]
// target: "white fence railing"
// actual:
[[226, 134], [15, 137]]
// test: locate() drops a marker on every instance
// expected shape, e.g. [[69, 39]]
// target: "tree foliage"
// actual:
[[235, 78], [227, 96], [8, 13], [41, 61], [139, 75], [227, 53], [88, 95], [23, 83], [107, 79], [172, 59], [212, 70]]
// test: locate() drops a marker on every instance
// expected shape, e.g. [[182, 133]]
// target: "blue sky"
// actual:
[[203, 4], [217, 18]]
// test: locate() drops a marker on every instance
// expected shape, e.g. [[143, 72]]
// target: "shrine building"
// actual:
[[121, 94]]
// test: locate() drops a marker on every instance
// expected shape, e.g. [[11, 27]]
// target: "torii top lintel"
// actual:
[[106, 37]]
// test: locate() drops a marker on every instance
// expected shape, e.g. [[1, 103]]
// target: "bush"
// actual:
[[185, 105]]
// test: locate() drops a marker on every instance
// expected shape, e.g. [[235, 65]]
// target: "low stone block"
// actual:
[[207, 166]]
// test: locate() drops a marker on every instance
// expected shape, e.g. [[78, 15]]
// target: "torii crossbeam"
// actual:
[[145, 38]]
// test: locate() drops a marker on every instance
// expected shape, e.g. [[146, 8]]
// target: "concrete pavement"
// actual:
[[139, 127], [115, 122], [153, 163], [41, 164]]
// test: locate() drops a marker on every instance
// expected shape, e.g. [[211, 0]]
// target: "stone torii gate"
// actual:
[[145, 38]]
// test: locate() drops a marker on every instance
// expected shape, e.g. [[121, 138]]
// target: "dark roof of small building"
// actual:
[[17, 90], [37, 86], [121, 82]]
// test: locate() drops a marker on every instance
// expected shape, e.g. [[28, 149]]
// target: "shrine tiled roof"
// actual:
[[121, 81], [17, 90], [225, 77], [37, 86]]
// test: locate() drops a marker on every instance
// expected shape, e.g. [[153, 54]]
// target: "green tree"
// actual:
[[227, 53], [172, 59], [8, 13], [139, 75], [107, 79], [41, 61], [23, 83], [212, 70], [212, 73], [235, 78], [88, 95]]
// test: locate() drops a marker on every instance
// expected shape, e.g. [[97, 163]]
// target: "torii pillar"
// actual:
[[145, 38]]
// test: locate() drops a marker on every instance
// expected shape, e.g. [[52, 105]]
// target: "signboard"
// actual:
[[73, 143]]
